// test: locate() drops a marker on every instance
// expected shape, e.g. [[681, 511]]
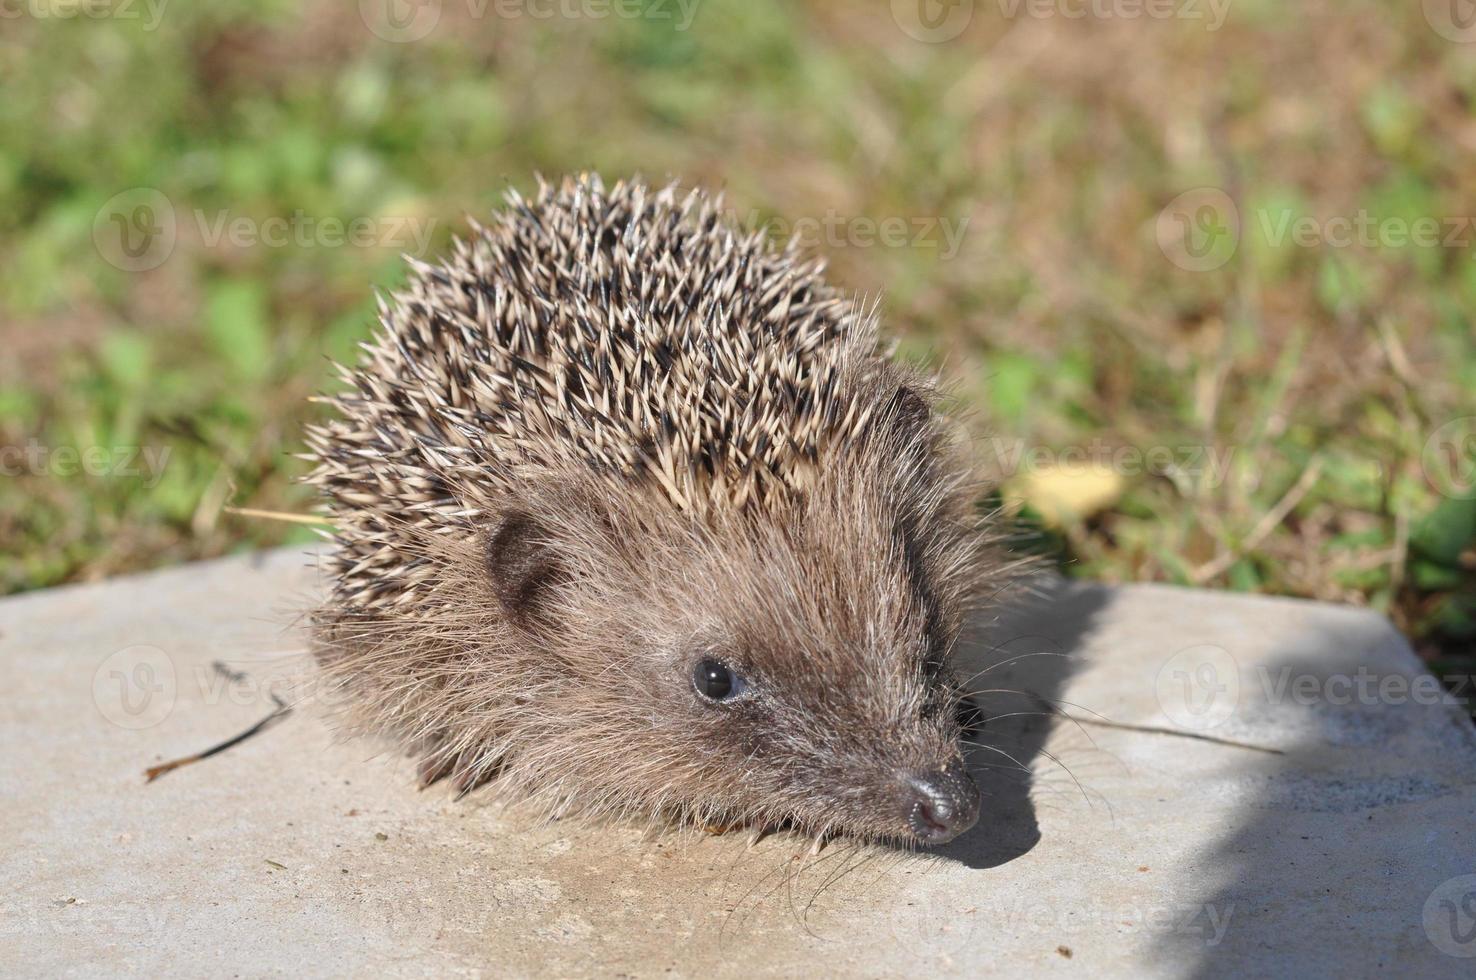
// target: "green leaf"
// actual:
[[1455, 616], [1391, 118], [1010, 381], [19, 405], [1244, 577], [1430, 577], [236, 321], [127, 358], [1340, 283], [1446, 531]]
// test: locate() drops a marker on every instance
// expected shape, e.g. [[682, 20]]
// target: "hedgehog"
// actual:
[[635, 516]]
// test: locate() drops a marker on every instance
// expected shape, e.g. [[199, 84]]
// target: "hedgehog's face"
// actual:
[[787, 714], [763, 675]]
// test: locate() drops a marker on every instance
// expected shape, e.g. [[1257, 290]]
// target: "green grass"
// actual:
[[1054, 144]]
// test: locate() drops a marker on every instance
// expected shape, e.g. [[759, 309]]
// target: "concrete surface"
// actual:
[[1124, 853]]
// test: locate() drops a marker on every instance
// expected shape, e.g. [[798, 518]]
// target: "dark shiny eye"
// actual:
[[714, 681]]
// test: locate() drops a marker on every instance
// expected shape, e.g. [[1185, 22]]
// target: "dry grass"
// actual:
[[1053, 144]]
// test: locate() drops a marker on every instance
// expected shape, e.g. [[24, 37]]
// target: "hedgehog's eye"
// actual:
[[715, 681]]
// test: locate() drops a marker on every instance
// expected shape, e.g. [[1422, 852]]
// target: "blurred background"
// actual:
[[1202, 270]]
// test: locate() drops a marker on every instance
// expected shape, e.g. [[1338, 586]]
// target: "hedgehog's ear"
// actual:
[[908, 410], [523, 564], [903, 420]]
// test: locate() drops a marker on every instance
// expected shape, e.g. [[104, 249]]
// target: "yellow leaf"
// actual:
[[1066, 493]]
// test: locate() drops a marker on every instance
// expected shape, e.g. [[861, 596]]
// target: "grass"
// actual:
[[1324, 375]]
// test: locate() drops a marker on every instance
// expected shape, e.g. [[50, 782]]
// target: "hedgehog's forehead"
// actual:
[[796, 585], [848, 641]]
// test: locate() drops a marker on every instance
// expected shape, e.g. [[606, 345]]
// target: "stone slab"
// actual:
[[1346, 849]]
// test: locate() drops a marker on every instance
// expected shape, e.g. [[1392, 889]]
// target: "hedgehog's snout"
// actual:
[[939, 805]]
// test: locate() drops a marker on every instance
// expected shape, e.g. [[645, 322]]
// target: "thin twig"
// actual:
[[281, 710], [1398, 360], [1198, 736], [1269, 522], [277, 515]]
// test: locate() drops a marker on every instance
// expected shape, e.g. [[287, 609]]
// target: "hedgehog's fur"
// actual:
[[612, 436]]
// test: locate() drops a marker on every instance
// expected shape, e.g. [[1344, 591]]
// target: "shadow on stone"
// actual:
[[1015, 669], [1332, 846]]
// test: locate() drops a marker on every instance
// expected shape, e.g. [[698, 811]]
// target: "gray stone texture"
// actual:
[[1345, 851]]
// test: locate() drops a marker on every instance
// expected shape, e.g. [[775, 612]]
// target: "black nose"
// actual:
[[941, 804]]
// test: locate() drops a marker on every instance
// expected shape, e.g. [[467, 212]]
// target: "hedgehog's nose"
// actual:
[[941, 804]]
